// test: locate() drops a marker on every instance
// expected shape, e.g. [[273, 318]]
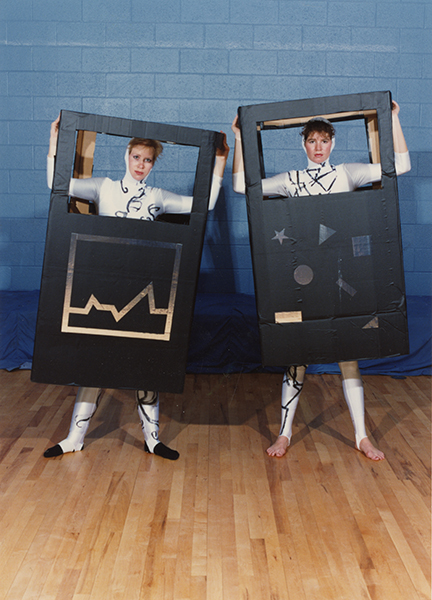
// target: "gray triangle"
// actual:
[[325, 233]]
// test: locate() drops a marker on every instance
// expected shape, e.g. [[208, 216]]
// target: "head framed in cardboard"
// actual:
[[328, 268], [117, 294]]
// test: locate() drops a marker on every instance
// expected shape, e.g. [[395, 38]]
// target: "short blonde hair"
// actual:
[[155, 144]]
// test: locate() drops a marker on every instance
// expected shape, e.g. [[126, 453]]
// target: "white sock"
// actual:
[[86, 404], [354, 396], [148, 410]]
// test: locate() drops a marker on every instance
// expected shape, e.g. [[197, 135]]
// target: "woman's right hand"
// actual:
[[54, 137]]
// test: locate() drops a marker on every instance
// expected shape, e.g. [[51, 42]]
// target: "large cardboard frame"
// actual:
[[328, 269], [117, 295]]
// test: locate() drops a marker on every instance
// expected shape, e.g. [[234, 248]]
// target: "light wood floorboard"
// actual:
[[225, 521]]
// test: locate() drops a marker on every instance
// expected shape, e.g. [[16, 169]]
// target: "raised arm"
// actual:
[[87, 189], [218, 172], [221, 158], [52, 151], [402, 157], [53, 137], [399, 142], [238, 164]]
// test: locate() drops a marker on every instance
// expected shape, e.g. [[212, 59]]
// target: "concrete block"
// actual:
[[17, 254], [228, 86], [276, 37], [179, 86], [21, 131], [23, 182], [47, 108], [15, 58], [372, 39], [39, 250], [417, 41], [57, 10], [352, 14], [17, 206], [253, 62], [163, 11], [196, 11], [16, 157], [82, 34], [387, 63], [179, 35], [130, 85], [28, 230], [97, 60], [335, 38], [25, 278], [396, 15], [160, 110], [299, 63], [5, 278], [203, 61], [32, 84], [414, 90], [117, 107], [408, 257], [423, 260], [407, 208], [352, 64], [229, 37], [130, 35], [32, 33], [418, 284], [14, 107], [155, 60], [202, 110], [81, 84], [13, 10], [41, 205], [255, 12], [107, 11], [303, 13], [56, 58]]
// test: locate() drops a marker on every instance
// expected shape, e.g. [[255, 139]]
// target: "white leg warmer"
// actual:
[[148, 410], [354, 396], [86, 403], [291, 389]]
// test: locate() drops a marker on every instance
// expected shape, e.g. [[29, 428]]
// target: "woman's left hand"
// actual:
[[224, 150], [395, 108]]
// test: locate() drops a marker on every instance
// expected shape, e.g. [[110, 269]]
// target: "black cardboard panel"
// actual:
[[334, 259], [117, 295]]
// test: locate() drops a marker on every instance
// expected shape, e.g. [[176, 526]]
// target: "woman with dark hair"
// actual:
[[131, 198], [321, 177]]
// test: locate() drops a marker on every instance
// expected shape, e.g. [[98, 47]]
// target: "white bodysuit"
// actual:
[[323, 178], [129, 198]]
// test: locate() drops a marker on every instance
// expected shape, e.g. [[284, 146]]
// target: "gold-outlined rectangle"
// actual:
[[148, 291]]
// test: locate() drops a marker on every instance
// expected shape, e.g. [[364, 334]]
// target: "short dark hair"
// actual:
[[317, 124]]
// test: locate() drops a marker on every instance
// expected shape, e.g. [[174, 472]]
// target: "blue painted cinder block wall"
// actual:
[[193, 62]]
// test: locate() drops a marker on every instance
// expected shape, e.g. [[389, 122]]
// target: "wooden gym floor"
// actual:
[[225, 521]]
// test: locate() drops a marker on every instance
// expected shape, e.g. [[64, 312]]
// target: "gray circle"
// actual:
[[303, 274]]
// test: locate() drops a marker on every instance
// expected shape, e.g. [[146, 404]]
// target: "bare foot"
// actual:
[[280, 446], [369, 450]]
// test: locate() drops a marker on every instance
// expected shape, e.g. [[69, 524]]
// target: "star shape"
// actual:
[[280, 235]]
